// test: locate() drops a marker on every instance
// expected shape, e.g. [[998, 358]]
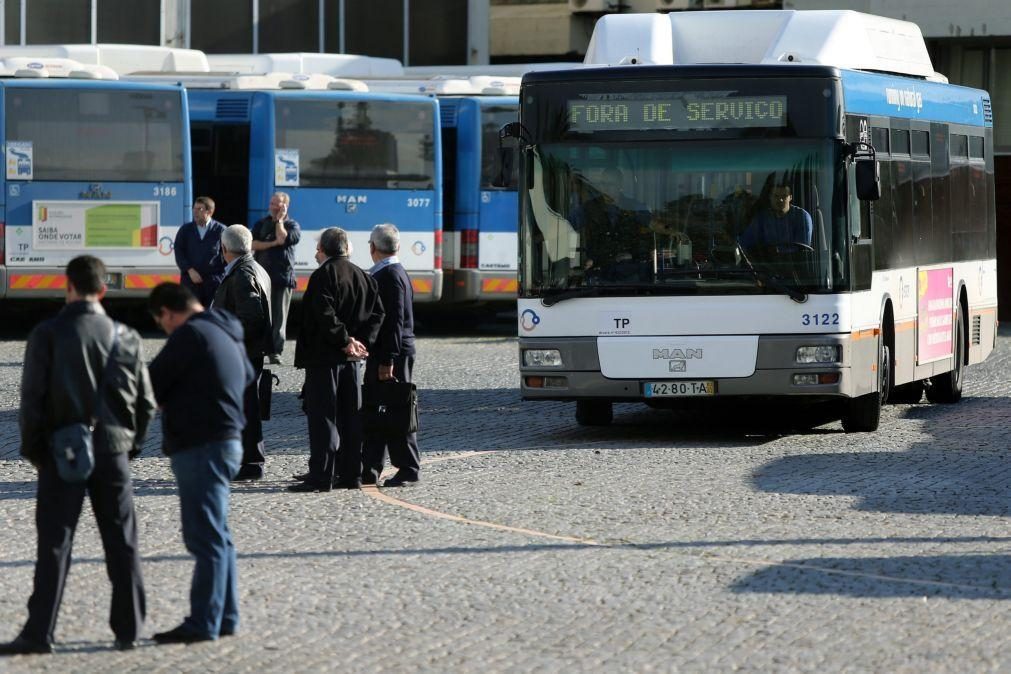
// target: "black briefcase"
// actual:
[[265, 390], [389, 409]]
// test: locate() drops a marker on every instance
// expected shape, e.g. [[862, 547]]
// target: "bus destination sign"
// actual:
[[684, 111]]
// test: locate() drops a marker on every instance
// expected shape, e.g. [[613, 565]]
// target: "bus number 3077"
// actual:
[[418, 202]]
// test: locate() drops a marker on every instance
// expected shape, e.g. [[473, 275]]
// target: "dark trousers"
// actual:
[[280, 299], [57, 510], [332, 403], [204, 292], [403, 451], [252, 433]]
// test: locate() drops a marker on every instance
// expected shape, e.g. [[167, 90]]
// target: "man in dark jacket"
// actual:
[[245, 291], [197, 250], [341, 314], [393, 355], [199, 379], [64, 358], [274, 241]]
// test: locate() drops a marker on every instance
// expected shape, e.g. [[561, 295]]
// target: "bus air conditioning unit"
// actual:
[[725, 4], [670, 5], [595, 6]]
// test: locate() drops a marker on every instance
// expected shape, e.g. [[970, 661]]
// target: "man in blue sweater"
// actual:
[[199, 379], [198, 252], [780, 228]]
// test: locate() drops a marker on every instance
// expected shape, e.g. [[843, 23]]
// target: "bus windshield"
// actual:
[[692, 217], [362, 144], [98, 135]]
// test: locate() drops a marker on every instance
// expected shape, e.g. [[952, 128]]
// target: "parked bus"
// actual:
[[715, 231], [95, 166]]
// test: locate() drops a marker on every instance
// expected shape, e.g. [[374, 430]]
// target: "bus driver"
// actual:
[[779, 225]]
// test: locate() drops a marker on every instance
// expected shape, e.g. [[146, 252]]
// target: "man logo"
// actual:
[[683, 354]]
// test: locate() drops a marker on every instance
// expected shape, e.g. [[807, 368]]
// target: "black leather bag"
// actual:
[[389, 409], [74, 444], [265, 391], [74, 452]]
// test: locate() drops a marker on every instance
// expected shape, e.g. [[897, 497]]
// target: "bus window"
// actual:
[[959, 146], [366, 144], [82, 135], [879, 138], [493, 119], [976, 147], [920, 143], [900, 141]]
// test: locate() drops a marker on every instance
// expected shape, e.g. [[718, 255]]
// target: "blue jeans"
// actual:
[[204, 474]]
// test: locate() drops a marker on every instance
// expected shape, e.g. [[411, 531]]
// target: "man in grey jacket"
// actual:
[[245, 291], [64, 358]]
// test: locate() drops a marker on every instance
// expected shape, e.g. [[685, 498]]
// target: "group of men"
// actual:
[[81, 366]]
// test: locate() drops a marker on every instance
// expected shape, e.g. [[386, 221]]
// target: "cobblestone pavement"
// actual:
[[693, 541]]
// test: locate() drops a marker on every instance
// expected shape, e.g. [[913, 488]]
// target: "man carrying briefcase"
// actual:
[[392, 358]]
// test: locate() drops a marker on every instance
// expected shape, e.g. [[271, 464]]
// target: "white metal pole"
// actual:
[[256, 26], [3, 22], [24, 22], [94, 21], [341, 15], [322, 26], [407, 32]]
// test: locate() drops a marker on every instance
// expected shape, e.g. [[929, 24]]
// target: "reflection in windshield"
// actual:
[[677, 217]]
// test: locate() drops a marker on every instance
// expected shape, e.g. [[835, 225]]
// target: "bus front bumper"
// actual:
[[50, 282], [476, 285]]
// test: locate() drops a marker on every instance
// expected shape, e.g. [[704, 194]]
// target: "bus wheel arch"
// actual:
[[863, 413]]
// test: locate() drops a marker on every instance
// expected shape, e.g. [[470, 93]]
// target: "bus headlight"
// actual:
[[542, 358], [826, 353]]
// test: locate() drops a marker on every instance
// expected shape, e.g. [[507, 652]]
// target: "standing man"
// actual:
[[245, 291], [64, 359], [393, 355], [341, 314], [199, 379], [197, 249], [274, 240]]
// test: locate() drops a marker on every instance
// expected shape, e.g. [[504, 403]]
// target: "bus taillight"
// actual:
[[468, 249], [437, 253]]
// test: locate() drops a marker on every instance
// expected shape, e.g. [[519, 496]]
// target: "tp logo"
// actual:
[[529, 320]]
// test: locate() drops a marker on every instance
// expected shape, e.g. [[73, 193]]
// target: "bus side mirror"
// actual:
[[868, 175], [528, 168], [505, 166]]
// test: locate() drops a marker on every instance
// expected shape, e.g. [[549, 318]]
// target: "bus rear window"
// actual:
[[358, 143], [492, 120], [98, 135]]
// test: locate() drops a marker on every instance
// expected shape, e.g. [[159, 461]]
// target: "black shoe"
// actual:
[[248, 474], [370, 480], [180, 635], [400, 481], [347, 485], [275, 359], [309, 487], [227, 632], [125, 645], [301, 477], [23, 646]]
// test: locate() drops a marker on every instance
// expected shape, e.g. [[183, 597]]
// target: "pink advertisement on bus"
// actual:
[[934, 309]]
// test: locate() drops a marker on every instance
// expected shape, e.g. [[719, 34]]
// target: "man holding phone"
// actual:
[[274, 241]]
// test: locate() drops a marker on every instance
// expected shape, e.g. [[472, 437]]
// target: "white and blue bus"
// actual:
[[718, 231], [93, 165]]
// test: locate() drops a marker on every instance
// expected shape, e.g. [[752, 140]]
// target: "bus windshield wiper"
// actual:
[[763, 279], [555, 295]]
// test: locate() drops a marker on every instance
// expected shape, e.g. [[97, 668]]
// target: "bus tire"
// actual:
[[946, 388], [863, 414], [594, 412], [908, 394]]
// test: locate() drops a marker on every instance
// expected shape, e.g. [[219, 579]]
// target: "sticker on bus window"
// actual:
[[286, 167], [19, 160]]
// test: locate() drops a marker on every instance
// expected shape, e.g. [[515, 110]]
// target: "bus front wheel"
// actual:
[[594, 412], [863, 414]]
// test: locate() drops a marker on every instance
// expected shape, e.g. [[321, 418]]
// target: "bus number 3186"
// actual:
[[165, 190]]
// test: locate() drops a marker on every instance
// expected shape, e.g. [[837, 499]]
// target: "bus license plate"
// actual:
[[679, 389], [114, 281]]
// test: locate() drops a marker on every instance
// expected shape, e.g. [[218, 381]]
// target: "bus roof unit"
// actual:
[[476, 85], [335, 65], [121, 58], [838, 38]]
